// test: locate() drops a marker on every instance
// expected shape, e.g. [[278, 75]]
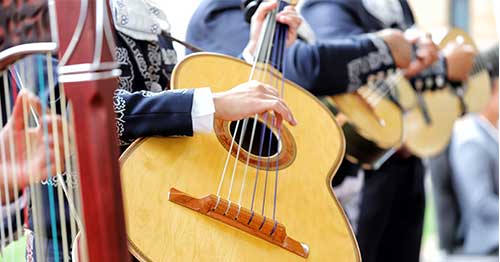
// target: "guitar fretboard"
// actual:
[[486, 60]]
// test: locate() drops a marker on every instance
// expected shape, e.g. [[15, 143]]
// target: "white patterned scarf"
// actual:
[[139, 19]]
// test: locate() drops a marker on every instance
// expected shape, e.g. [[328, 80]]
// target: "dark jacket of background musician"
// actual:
[[392, 207]]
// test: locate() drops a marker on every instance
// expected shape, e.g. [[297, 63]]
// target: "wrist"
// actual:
[[399, 48], [250, 48], [217, 97]]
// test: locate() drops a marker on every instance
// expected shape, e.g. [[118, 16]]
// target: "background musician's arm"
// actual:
[[333, 19], [340, 65]]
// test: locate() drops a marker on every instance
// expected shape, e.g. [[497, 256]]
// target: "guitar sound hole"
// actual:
[[270, 145]]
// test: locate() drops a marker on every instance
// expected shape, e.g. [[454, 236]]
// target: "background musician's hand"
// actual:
[[459, 60], [15, 128], [399, 46], [251, 98], [427, 53], [288, 16]]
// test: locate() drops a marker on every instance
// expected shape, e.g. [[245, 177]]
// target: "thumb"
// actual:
[[414, 68], [18, 111]]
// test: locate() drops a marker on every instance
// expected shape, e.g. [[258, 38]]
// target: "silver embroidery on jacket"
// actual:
[[371, 62]]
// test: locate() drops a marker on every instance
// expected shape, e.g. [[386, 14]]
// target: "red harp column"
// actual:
[[89, 75]]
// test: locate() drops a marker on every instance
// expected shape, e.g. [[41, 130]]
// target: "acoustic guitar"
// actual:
[[372, 123], [214, 197], [429, 122]]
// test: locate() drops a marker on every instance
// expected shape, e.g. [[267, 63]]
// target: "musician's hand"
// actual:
[[288, 16], [459, 60], [427, 54], [399, 46], [19, 169], [251, 98]]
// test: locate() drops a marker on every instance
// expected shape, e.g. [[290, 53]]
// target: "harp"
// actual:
[[58, 153]]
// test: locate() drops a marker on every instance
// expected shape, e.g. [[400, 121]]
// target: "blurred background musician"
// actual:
[[393, 198], [473, 156]]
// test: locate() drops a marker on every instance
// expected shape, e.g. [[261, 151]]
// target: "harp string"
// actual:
[[58, 166], [10, 234], [14, 155], [68, 163], [48, 162], [38, 220]]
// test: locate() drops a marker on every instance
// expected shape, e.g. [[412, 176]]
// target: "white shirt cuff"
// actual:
[[202, 112]]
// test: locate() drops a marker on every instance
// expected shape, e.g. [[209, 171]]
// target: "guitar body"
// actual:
[[161, 230], [372, 132], [426, 139]]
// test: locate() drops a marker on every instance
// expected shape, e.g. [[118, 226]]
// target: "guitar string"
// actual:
[[241, 139], [284, 32], [245, 123], [276, 59], [479, 65], [383, 87], [263, 77], [247, 162], [376, 88], [252, 137], [270, 31], [50, 189], [388, 86], [234, 136], [372, 90]]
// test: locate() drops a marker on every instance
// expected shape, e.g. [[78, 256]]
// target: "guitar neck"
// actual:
[[485, 60]]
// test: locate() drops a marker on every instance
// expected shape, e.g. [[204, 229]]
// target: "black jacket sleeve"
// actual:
[[144, 113]]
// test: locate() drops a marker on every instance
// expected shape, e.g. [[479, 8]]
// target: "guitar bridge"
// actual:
[[241, 218]]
